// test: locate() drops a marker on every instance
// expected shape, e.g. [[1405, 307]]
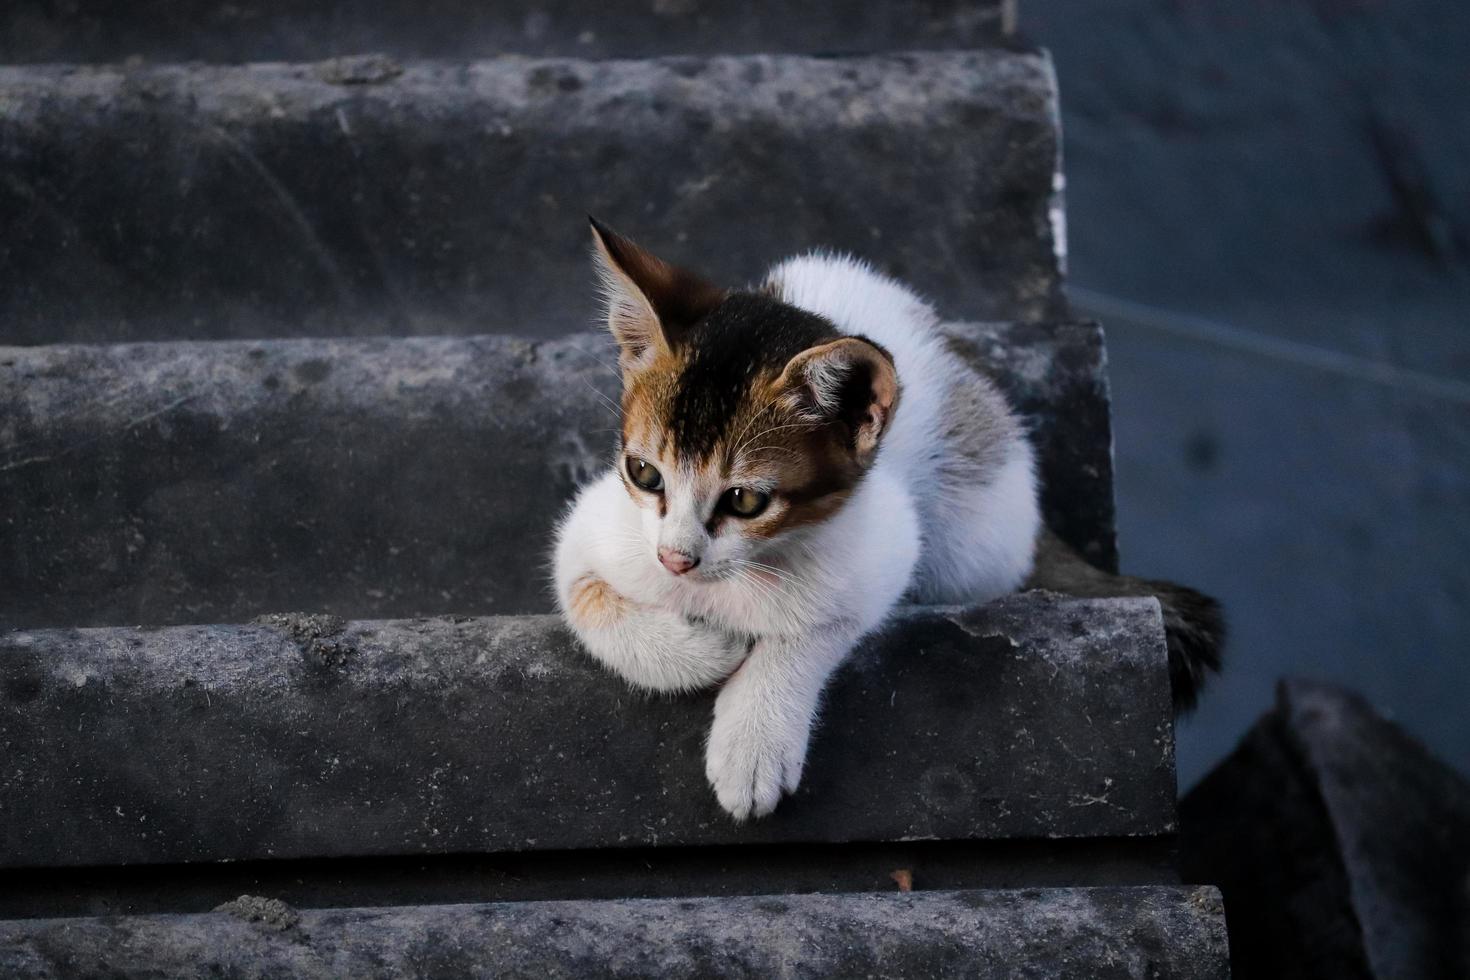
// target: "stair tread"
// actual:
[[362, 196], [283, 30], [1062, 933], [378, 477], [1035, 717]]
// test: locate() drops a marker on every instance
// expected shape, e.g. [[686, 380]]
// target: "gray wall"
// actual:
[[1269, 207]]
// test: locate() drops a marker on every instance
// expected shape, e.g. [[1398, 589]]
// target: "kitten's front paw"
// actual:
[[754, 753]]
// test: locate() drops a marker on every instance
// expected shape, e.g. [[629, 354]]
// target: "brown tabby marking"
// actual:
[[716, 388]]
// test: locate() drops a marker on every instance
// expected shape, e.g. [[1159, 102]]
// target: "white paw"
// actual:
[[754, 753]]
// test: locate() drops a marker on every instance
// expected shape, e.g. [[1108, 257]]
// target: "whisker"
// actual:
[[782, 601], [780, 573], [771, 431], [761, 453], [599, 360], [754, 418]]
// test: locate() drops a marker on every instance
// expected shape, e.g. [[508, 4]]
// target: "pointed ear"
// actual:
[[650, 303], [851, 381]]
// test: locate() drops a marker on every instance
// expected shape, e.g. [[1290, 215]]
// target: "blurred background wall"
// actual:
[[1269, 208]]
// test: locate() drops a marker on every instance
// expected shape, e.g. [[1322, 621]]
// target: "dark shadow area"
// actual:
[[662, 872]]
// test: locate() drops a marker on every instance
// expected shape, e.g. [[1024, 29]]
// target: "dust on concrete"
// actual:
[[271, 914], [361, 69], [319, 635]]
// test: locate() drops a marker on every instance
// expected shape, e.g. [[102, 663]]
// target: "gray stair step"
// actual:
[[33, 31], [1036, 717], [374, 478], [365, 197], [1096, 934]]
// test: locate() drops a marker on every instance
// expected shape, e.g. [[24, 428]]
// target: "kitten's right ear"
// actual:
[[650, 303], [851, 381]]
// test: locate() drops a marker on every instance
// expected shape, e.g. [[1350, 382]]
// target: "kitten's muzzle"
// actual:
[[676, 561]]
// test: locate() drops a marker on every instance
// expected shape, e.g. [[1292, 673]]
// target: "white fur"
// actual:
[[979, 531], [922, 521]]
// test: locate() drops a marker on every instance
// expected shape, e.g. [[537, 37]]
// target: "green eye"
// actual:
[[745, 503], [645, 475]]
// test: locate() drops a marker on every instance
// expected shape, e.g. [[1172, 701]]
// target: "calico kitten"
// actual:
[[794, 460]]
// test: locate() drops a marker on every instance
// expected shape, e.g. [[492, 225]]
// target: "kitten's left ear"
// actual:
[[650, 303], [851, 381]]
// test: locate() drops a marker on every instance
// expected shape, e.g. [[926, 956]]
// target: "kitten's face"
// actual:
[[744, 419], [719, 450]]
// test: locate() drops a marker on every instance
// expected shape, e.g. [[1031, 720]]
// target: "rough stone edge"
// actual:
[[1071, 930], [1318, 768], [1130, 627]]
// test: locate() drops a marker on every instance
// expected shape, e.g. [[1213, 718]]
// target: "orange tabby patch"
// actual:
[[595, 605]]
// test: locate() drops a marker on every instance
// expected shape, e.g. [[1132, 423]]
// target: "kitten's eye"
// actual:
[[745, 503], [645, 475]]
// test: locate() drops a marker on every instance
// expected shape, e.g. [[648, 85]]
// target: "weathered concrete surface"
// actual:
[[213, 482], [363, 196], [1035, 717], [34, 31], [1340, 843], [1057, 375], [1096, 934]]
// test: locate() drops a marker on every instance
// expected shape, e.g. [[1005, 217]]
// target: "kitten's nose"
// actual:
[[676, 561]]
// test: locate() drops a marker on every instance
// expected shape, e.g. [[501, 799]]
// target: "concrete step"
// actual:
[[1340, 841], [34, 31], [372, 478], [1096, 934], [363, 196], [1036, 717]]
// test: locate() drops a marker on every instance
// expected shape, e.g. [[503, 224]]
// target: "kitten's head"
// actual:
[[744, 418]]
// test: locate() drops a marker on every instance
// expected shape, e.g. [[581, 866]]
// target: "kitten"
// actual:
[[794, 460]]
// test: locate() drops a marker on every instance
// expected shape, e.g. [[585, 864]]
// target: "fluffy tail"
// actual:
[[1194, 625]]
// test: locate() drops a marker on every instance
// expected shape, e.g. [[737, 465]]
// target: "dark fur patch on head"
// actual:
[[747, 338], [729, 398]]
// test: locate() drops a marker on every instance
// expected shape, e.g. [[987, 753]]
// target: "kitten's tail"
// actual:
[[1194, 625]]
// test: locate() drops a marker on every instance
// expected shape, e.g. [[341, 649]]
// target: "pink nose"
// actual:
[[676, 561]]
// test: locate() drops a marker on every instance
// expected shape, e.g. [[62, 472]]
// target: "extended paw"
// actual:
[[753, 756]]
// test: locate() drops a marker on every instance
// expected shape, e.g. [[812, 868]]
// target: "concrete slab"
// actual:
[[1034, 717], [368, 197], [373, 478], [33, 31], [1340, 843], [1097, 934]]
